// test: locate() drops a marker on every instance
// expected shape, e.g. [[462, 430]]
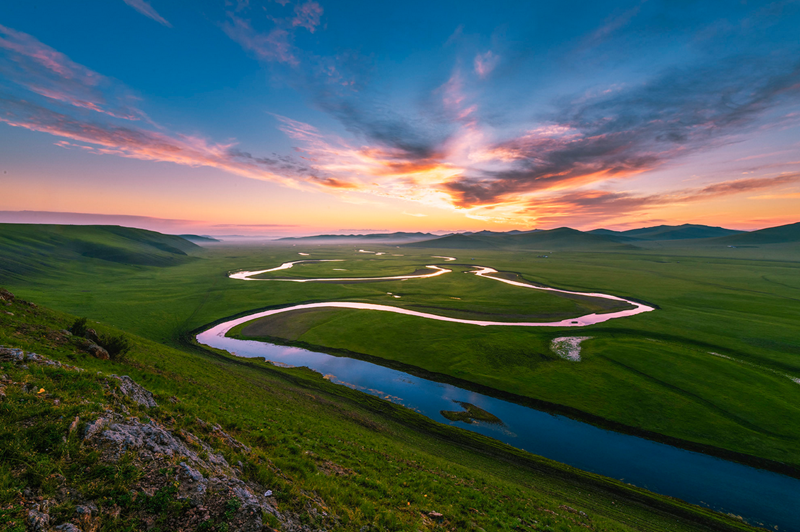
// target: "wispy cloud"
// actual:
[[38, 68], [147, 10], [485, 63], [96, 114], [272, 46], [275, 43], [599, 205], [628, 132], [307, 15]]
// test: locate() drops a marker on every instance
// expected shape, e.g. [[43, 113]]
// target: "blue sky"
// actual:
[[295, 117]]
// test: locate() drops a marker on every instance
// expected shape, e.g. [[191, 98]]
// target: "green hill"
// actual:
[[667, 232], [35, 248], [784, 234], [562, 238]]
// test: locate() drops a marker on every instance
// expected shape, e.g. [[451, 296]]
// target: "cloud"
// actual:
[[38, 68], [147, 10], [307, 16], [272, 46], [598, 205], [90, 112], [611, 25], [788, 195], [139, 143], [485, 63], [277, 43], [630, 131]]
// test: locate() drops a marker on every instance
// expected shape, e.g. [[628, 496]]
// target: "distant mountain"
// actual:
[[42, 248], [554, 239], [783, 234], [198, 238], [666, 232], [372, 237]]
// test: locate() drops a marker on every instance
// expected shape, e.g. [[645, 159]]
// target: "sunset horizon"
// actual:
[[306, 117]]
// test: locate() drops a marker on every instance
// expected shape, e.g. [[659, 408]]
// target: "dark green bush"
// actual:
[[79, 327], [117, 346]]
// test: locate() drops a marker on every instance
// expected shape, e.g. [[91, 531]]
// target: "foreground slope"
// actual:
[[332, 458], [26, 249]]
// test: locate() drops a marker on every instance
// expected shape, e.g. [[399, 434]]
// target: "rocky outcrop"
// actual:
[[211, 491], [135, 392]]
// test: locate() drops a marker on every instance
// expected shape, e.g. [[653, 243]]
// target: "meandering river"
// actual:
[[760, 497]]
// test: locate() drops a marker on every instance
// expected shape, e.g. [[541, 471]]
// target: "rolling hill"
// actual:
[[30, 248], [784, 234], [667, 232]]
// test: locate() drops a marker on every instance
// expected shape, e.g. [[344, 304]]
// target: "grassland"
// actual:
[[654, 372], [368, 464], [660, 372]]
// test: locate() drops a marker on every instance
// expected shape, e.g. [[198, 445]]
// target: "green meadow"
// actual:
[[369, 464], [711, 368]]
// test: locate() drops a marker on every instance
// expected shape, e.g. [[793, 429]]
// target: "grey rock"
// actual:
[[87, 509], [193, 474], [68, 527], [38, 521], [65, 332], [135, 392], [96, 426], [10, 354]]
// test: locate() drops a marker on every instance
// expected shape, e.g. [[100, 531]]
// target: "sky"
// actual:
[[298, 117]]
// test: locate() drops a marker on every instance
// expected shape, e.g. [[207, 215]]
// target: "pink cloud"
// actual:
[[147, 10], [307, 16], [485, 63], [42, 55]]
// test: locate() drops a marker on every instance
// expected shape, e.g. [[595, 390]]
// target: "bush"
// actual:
[[79, 327], [117, 346]]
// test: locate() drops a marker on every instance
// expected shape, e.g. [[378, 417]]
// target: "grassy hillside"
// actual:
[[28, 249], [334, 458], [784, 234], [667, 232]]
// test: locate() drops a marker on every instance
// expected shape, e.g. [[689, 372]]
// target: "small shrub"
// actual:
[[79, 327], [117, 346]]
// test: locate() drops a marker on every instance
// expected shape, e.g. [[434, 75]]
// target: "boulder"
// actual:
[[97, 352], [5, 295], [91, 334]]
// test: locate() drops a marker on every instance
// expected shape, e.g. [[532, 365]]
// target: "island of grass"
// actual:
[[470, 414]]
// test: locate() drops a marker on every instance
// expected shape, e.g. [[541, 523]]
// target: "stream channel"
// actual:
[[760, 497]]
